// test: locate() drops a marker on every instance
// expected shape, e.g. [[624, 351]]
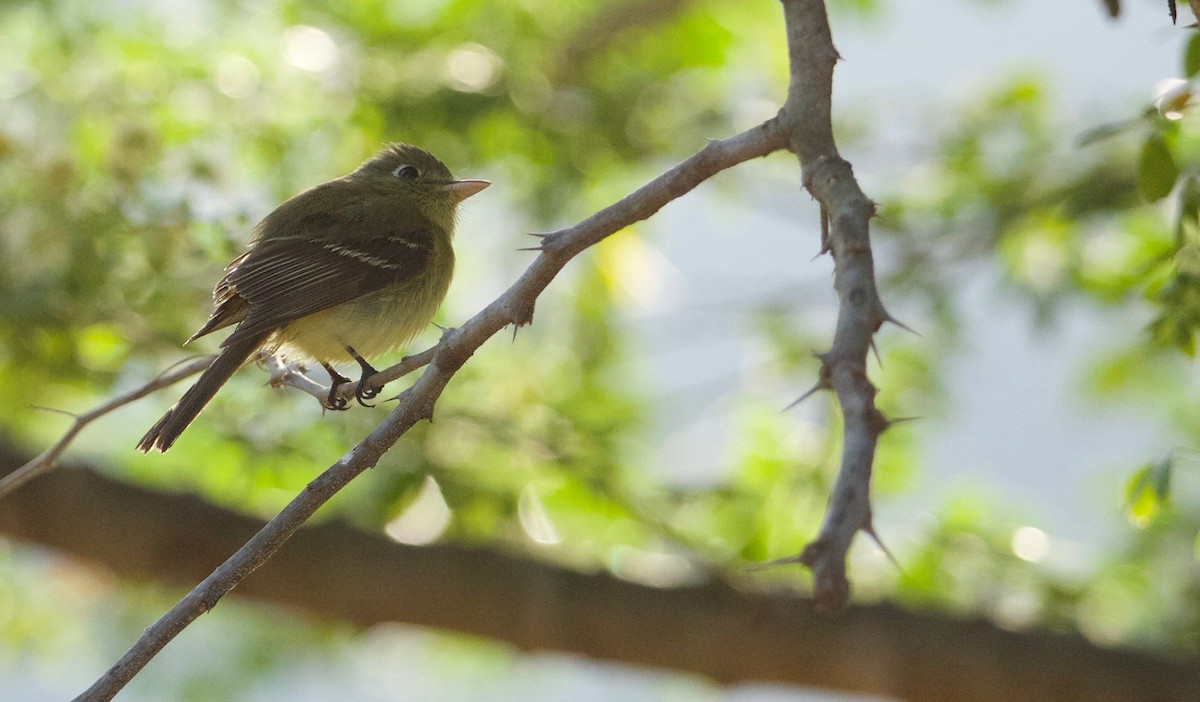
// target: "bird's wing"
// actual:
[[285, 277], [228, 307]]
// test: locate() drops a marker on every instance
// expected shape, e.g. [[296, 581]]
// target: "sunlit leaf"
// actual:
[[1141, 502], [1148, 491]]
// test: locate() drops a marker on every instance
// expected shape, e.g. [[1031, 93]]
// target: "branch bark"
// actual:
[[806, 116], [729, 636]]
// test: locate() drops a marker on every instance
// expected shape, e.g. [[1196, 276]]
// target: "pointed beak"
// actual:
[[463, 189]]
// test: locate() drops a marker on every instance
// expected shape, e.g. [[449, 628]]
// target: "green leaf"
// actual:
[[1156, 169], [1148, 491], [1141, 502], [1137, 484], [1191, 56]]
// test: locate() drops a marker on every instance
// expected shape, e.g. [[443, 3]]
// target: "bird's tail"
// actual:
[[167, 430]]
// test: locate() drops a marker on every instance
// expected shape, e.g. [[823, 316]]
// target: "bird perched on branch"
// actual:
[[341, 272]]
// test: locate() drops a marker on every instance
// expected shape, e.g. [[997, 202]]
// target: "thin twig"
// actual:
[[282, 374], [515, 306], [49, 458]]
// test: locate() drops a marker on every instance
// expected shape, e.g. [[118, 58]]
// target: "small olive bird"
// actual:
[[346, 270]]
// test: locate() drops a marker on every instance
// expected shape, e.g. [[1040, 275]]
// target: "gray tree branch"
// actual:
[[846, 232]]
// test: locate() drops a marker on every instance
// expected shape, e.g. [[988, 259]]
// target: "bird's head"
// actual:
[[415, 173]]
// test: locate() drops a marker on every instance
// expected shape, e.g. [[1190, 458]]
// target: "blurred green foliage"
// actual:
[[139, 142], [1108, 220]]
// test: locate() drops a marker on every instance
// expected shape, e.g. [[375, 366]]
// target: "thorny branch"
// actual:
[[846, 214], [802, 126]]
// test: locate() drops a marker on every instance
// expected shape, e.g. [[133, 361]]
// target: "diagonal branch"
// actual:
[[846, 214], [515, 306]]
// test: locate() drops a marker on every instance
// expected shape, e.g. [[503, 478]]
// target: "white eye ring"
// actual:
[[406, 172]]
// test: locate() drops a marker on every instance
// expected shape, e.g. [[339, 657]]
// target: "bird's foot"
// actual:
[[362, 393], [334, 401]]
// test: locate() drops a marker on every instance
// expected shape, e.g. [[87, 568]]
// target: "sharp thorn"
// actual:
[[805, 396], [869, 528], [790, 560], [889, 318], [397, 397]]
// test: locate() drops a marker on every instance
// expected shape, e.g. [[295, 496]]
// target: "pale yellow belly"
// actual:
[[371, 325]]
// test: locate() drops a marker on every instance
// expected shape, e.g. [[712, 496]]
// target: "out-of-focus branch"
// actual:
[[282, 375], [46, 461], [334, 571], [515, 306], [608, 22]]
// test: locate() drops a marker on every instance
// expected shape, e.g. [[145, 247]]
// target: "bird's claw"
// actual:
[[334, 401], [362, 393]]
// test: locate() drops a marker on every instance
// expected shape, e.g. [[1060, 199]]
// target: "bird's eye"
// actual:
[[407, 172]]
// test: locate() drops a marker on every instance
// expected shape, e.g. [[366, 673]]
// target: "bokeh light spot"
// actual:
[[1030, 544], [309, 48], [237, 77], [424, 520], [473, 68]]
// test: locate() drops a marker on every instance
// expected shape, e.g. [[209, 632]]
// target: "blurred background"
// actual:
[[1038, 227]]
